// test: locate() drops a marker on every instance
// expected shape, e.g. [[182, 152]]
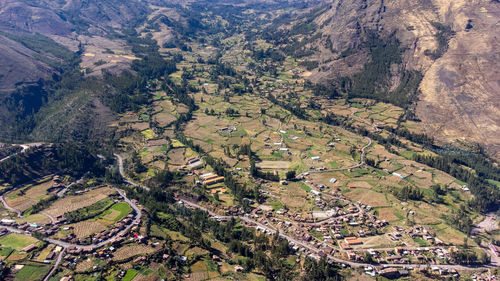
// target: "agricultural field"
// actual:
[[27, 196], [232, 123], [17, 241], [75, 202], [131, 251], [32, 272], [115, 213]]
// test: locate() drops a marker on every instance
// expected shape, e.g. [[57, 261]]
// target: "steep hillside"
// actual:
[[450, 45]]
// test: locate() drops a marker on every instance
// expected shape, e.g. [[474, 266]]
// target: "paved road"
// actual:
[[9, 207], [62, 191], [56, 265], [122, 173], [315, 250], [24, 148], [137, 219], [52, 220], [63, 244]]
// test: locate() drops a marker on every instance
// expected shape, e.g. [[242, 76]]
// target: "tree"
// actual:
[[290, 175]]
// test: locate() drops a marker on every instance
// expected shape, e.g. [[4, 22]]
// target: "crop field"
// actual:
[[84, 265], [43, 254], [5, 252], [26, 197], [274, 165], [176, 156], [198, 271], [115, 212], [387, 214], [17, 256], [131, 273], [130, 251], [85, 228], [17, 241], [39, 219], [76, 202], [32, 272]]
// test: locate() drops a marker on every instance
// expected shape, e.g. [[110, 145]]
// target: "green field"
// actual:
[[90, 211], [32, 272], [496, 183], [118, 210], [17, 241], [5, 251], [131, 273]]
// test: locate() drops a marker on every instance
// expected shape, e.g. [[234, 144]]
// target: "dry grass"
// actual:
[[367, 197], [84, 265], [387, 214], [197, 276], [176, 156], [274, 164], [76, 202]]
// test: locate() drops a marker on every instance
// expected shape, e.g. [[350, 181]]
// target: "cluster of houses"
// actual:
[[28, 227], [74, 255], [400, 255], [101, 236], [416, 231]]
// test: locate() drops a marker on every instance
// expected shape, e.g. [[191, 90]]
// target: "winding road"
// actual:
[[122, 173], [65, 245], [137, 219], [6, 206], [24, 148], [361, 161]]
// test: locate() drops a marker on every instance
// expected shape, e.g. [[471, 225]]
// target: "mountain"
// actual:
[[436, 59], [448, 48]]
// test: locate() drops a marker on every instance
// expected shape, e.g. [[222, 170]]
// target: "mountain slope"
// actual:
[[451, 45]]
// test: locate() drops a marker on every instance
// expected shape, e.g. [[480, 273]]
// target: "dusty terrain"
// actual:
[[460, 91]]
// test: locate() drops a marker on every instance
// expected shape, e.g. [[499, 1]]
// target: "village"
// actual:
[[335, 232]]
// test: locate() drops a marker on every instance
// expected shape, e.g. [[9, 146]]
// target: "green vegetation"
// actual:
[[90, 211], [276, 205], [443, 35], [32, 272], [5, 251], [17, 241], [219, 72], [123, 209], [43, 45], [72, 158], [374, 79], [421, 242], [131, 273]]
